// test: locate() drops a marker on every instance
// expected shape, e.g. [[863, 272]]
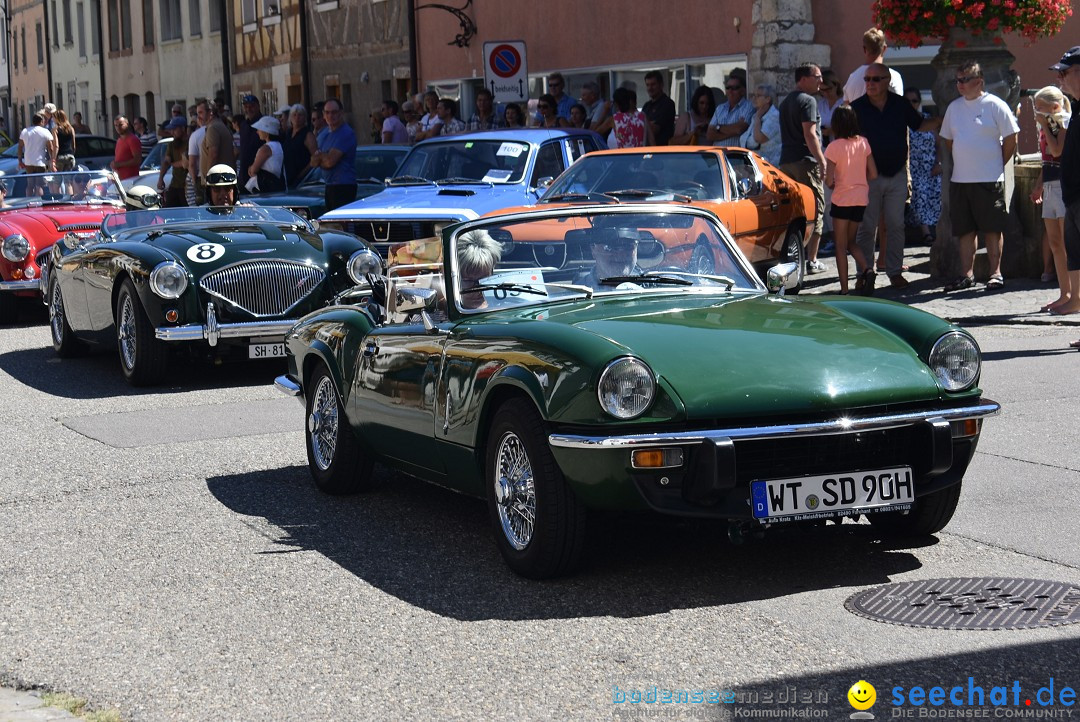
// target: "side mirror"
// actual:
[[543, 183], [410, 299], [72, 241], [782, 277], [745, 186]]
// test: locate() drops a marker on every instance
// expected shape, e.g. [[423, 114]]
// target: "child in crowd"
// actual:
[[849, 168], [1052, 112]]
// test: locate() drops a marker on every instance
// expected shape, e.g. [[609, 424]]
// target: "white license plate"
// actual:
[[266, 350], [817, 497]]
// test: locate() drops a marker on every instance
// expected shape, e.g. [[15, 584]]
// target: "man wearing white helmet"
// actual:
[[221, 185]]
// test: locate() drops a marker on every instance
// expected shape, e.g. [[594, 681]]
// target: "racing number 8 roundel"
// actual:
[[206, 252]]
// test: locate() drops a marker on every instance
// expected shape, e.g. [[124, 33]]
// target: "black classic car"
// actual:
[[222, 281]]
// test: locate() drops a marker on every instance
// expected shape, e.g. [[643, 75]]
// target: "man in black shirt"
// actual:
[[884, 119], [659, 109], [801, 156], [1068, 70], [249, 138]]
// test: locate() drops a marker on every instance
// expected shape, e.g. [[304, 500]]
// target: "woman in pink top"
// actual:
[[849, 169]]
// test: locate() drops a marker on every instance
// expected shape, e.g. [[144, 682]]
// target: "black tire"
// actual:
[[552, 544], [143, 358], [64, 342], [930, 515], [9, 308], [702, 260], [336, 460], [794, 252]]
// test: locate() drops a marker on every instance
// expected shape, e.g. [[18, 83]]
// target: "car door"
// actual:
[[550, 162], [394, 393], [760, 212]]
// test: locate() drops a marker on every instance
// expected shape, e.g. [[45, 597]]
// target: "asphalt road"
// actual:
[[164, 552]]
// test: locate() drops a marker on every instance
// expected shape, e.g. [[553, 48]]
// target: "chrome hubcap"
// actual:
[[125, 330], [323, 423], [515, 491]]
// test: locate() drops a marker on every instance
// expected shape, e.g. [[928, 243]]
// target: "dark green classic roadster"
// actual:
[[628, 358], [220, 282]]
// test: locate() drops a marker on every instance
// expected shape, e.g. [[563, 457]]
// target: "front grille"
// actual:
[[266, 287], [813, 455]]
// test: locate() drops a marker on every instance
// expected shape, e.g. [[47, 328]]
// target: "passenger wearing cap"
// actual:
[[614, 252], [266, 173], [1068, 72], [250, 141], [175, 159]]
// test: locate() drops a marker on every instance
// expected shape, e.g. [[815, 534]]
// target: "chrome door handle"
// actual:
[[370, 347]]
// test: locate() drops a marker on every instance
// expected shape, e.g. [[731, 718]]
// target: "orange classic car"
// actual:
[[769, 214]]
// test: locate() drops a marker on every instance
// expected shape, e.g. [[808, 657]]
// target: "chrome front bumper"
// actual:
[[286, 385], [34, 285], [822, 428], [212, 331]]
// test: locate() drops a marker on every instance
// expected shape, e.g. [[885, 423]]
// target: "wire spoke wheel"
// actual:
[[515, 491], [125, 333], [323, 423]]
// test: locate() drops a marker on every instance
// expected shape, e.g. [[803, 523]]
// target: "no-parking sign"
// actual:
[[505, 73]]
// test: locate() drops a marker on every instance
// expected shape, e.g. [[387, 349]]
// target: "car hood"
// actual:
[[248, 244], [43, 225], [459, 202], [760, 355]]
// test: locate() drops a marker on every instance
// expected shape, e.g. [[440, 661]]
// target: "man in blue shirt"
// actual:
[[733, 117], [337, 156]]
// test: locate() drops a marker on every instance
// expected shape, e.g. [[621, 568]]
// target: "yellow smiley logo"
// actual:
[[862, 695]]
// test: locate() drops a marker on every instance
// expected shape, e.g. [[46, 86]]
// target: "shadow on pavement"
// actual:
[[1032, 665], [433, 548], [97, 374]]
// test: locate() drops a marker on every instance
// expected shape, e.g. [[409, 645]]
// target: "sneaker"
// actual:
[[815, 267]]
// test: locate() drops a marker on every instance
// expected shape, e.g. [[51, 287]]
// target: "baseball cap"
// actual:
[[408, 106], [1069, 59], [249, 99], [284, 110], [175, 123]]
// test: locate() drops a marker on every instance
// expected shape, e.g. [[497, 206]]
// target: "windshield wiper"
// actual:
[[407, 180], [572, 197], [526, 288], [645, 278], [461, 180]]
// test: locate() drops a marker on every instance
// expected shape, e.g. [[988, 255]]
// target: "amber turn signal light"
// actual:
[[656, 458], [965, 427]]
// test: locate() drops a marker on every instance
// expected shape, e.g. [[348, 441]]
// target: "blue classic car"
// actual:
[[462, 177]]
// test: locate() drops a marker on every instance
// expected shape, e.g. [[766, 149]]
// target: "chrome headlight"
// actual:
[[627, 387], [168, 280], [16, 248], [362, 263], [956, 361]]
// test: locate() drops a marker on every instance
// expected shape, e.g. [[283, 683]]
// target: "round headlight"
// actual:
[[626, 389], [16, 248], [956, 361], [168, 280], [362, 263]]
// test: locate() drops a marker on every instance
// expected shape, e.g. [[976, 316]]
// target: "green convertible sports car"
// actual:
[[627, 379]]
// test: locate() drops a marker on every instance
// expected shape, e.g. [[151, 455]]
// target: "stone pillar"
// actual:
[[783, 39]]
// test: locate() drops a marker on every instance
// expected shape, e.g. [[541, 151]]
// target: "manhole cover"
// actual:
[[971, 603]]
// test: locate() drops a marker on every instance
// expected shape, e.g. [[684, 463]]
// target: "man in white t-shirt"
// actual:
[[873, 47], [979, 130], [202, 116], [37, 146]]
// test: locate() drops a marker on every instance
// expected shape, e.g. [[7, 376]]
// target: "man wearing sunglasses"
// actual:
[[733, 117], [979, 131], [1068, 70], [884, 120], [614, 252]]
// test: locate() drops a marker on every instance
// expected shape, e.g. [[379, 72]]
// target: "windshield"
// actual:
[[67, 188], [153, 161], [378, 165], [464, 160], [201, 216], [554, 256], [697, 175]]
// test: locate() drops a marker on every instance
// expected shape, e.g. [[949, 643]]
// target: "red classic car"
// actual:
[[36, 211]]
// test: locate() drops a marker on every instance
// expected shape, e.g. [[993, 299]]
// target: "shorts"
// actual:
[[1052, 205], [847, 213], [807, 172], [978, 207]]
